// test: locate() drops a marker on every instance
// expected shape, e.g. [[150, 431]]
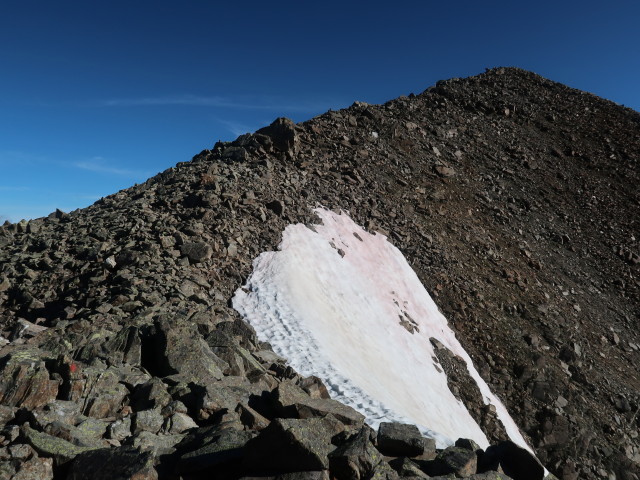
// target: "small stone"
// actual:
[[148, 421], [181, 422], [197, 251]]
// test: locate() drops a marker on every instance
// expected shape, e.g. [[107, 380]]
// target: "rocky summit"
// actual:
[[515, 199]]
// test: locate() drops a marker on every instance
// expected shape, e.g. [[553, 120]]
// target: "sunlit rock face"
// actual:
[[344, 305]]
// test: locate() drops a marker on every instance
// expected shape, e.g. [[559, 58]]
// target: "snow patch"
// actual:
[[344, 305]]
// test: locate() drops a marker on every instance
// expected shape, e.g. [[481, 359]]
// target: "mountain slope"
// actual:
[[514, 198]]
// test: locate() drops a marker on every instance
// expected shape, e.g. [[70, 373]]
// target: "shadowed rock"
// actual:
[[291, 445], [123, 463]]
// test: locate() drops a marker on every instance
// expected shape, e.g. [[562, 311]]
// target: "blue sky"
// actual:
[[96, 96]]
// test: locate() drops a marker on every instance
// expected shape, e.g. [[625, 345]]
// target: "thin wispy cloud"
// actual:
[[12, 157], [99, 165], [236, 128], [248, 103]]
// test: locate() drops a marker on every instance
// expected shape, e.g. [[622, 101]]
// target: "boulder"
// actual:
[[453, 460], [407, 468], [33, 468], [400, 440], [293, 401], [356, 458], [282, 133], [179, 348], [122, 463], [196, 251], [147, 421], [291, 445], [515, 461], [47, 445], [180, 422], [98, 389], [88, 433], [25, 381], [224, 447], [157, 444]]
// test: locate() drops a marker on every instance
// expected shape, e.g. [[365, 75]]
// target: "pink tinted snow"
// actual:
[[331, 301]]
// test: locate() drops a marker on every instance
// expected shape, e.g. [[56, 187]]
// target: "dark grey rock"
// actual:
[[356, 458], [467, 444], [283, 135], [407, 468], [46, 445], [120, 429], [291, 445], [179, 423], [179, 348], [197, 251], [515, 461], [453, 460], [399, 439], [293, 401], [122, 463], [147, 421], [223, 448], [157, 444]]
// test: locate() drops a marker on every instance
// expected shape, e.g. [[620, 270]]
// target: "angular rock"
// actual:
[[407, 468], [125, 347], [400, 440], [34, 468], [315, 387], [147, 421], [383, 471], [283, 135], [120, 429], [291, 445], [453, 460], [151, 394], [197, 251], [62, 411], [46, 445], [221, 449], [224, 396], [25, 381], [89, 433], [7, 414], [251, 418], [179, 423], [293, 401], [157, 444], [515, 461], [357, 458], [98, 390], [179, 348], [467, 444], [122, 463]]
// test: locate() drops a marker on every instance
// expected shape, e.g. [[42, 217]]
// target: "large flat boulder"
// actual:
[[291, 445]]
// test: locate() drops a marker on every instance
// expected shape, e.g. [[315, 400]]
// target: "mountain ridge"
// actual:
[[512, 196]]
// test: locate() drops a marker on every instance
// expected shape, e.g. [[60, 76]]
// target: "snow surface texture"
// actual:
[[331, 302]]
